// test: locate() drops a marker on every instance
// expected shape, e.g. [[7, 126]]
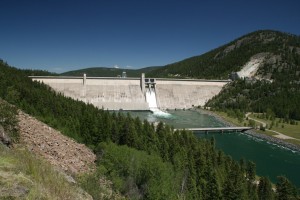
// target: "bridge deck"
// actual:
[[220, 129]]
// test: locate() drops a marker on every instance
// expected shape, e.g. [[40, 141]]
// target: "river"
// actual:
[[271, 160]]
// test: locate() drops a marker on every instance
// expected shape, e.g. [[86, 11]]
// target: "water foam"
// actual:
[[160, 113], [151, 99]]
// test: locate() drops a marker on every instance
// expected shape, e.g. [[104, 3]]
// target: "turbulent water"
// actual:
[[151, 100], [271, 160]]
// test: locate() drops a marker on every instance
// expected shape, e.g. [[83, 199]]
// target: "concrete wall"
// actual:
[[126, 94], [185, 94], [112, 94]]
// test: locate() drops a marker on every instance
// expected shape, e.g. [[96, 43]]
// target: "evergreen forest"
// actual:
[[277, 90], [278, 99], [142, 160]]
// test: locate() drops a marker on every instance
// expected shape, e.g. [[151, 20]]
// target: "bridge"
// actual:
[[219, 129]]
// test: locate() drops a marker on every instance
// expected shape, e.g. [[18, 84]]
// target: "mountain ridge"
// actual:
[[217, 63], [274, 86], [223, 60], [108, 72]]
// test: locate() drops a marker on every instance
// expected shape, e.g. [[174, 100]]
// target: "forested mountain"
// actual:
[[141, 160], [109, 72], [281, 52], [274, 87], [268, 64]]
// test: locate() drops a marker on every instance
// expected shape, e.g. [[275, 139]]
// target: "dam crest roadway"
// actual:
[[114, 93]]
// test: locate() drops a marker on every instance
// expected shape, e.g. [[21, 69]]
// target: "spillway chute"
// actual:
[[152, 102]]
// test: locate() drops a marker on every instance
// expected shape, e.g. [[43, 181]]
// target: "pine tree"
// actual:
[[212, 187], [234, 187], [250, 171], [265, 189], [285, 190]]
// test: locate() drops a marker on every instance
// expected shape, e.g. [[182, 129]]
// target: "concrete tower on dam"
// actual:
[[131, 93]]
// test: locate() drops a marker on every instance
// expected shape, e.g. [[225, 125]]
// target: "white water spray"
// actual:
[[151, 100]]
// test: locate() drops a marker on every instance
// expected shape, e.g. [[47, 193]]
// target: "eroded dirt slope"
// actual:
[[59, 150]]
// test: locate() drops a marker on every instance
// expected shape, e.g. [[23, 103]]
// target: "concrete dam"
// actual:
[[135, 93]]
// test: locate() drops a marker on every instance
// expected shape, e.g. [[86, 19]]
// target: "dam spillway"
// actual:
[[151, 98], [131, 93]]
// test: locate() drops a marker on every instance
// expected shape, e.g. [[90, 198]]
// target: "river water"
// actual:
[[271, 160]]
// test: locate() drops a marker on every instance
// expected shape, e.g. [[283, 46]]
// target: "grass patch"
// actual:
[[6, 162], [23, 176], [284, 128], [231, 119], [289, 130]]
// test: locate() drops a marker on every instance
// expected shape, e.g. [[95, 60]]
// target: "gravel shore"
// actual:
[[253, 133]]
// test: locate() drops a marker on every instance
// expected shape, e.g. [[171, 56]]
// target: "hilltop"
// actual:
[[262, 54], [274, 52]]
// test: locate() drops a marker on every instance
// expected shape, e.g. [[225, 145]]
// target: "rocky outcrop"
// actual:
[[251, 67], [59, 150], [4, 138]]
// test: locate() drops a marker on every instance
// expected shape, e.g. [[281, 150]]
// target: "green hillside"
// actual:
[[274, 87], [109, 72], [220, 62], [141, 160]]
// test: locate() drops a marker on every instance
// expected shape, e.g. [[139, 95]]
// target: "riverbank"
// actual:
[[253, 133]]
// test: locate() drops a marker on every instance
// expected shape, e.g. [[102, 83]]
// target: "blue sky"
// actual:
[[62, 35]]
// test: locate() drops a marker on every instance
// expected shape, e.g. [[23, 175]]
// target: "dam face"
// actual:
[[182, 94], [130, 93]]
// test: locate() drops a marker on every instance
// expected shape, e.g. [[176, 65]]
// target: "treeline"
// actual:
[[108, 72], [142, 161]]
